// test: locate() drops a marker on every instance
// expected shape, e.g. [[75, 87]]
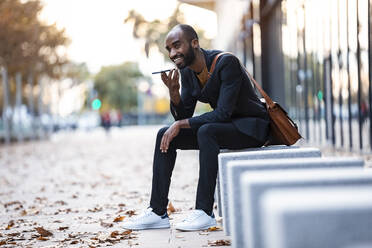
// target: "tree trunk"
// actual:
[[18, 112], [30, 81], [6, 110], [40, 108]]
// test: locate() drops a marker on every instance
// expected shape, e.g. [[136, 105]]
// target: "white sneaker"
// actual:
[[197, 220], [147, 220]]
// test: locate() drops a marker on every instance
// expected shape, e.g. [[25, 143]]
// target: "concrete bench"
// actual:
[[226, 155], [270, 152], [256, 184], [317, 217]]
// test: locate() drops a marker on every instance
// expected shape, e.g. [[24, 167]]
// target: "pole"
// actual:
[[370, 71], [306, 86], [348, 77], [340, 67], [359, 82]]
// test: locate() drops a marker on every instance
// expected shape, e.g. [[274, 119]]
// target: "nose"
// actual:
[[172, 53]]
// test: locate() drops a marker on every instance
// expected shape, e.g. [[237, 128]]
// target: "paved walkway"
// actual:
[[74, 190]]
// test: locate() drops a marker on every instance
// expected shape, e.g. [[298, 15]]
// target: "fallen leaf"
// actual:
[[127, 235], [130, 213], [12, 203], [60, 203], [127, 232], [94, 210], [13, 234], [10, 225], [119, 218], [62, 228], [214, 228], [170, 208], [221, 242], [107, 225], [114, 234], [43, 232], [42, 238]]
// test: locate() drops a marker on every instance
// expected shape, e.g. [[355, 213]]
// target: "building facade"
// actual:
[[311, 56]]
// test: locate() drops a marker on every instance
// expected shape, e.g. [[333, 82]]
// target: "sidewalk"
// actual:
[[73, 190]]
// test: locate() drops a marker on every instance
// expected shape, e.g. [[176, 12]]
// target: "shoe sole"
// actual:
[[196, 229], [147, 227]]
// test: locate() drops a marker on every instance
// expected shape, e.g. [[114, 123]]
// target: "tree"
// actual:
[[116, 86], [154, 32], [28, 49], [27, 44]]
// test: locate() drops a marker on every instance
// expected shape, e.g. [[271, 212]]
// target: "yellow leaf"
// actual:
[[119, 218], [214, 228]]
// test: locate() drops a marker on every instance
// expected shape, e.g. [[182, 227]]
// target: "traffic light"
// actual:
[[96, 104], [320, 95]]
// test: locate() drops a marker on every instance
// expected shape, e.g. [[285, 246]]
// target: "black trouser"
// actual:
[[210, 138]]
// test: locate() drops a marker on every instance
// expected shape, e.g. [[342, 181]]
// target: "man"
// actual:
[[238, 120]]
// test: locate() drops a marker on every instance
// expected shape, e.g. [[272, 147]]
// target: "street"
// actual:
[[75, 189]]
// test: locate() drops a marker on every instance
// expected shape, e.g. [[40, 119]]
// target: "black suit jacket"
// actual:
[[229, 92]]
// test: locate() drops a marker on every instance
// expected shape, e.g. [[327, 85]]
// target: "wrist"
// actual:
[[175, 97], [183, 123]]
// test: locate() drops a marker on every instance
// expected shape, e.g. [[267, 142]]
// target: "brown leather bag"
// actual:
[[283, 130]]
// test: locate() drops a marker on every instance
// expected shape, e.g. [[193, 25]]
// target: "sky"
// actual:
[[99, 36]]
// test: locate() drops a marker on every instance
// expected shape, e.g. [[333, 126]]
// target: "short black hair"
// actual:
[[188, 31]]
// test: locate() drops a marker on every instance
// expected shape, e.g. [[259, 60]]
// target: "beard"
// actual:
[[188, 58]]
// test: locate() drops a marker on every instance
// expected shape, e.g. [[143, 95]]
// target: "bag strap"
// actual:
[[268, 100], [214, 64]]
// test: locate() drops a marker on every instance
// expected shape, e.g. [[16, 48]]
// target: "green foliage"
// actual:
[[116, 86], [78, 72], [154, 32]]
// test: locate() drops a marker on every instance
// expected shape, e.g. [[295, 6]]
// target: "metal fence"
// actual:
[[314, 57]]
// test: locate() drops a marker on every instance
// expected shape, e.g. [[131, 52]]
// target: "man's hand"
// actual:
[[172, 132], [169, 135], [171, 81]]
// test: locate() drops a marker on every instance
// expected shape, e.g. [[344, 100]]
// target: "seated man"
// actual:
[[238, 120]]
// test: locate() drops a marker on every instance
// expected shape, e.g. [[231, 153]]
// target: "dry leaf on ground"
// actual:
[[43, 232], [214, 228], [114, 234], [10, 225], [221, 242], [42, 238], [130, 213], [170, 208], [107, 225], [119, 218]]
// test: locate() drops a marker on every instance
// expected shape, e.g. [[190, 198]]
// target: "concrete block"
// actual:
[[255, 184], [317, 217], [270, 152], [227, 155]]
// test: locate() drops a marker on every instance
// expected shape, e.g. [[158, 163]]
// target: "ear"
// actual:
[[195, 43]]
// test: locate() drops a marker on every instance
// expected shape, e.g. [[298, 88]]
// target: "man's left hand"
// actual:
[[169, 135]]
